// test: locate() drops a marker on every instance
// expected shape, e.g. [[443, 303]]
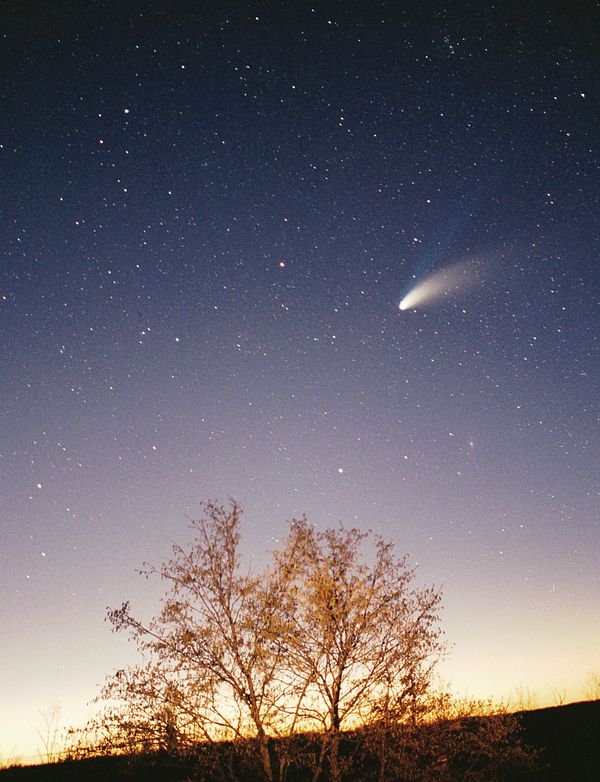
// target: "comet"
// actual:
[[444, 283]]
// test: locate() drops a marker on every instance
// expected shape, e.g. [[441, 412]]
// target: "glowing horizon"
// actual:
[[24, 745]]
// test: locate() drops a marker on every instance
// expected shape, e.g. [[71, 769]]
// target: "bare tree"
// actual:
[[594, 686], [560, 695], [216, 663], [318, 662], [359, 633], [50, 734]]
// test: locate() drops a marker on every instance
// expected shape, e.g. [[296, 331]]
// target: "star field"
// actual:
[[209, 217]]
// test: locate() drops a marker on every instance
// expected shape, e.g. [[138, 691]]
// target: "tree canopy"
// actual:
[[315, 662]]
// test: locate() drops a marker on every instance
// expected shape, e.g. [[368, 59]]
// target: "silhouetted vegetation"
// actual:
[[565, 737], [319, 667], [332, 636]]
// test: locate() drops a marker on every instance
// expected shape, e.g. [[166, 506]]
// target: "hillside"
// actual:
[[568, 738]]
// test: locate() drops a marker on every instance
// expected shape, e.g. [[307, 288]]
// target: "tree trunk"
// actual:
[[323, 752], [265, 756], [334, 757]]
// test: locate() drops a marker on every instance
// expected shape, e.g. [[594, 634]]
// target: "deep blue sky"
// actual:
[[210, 213]]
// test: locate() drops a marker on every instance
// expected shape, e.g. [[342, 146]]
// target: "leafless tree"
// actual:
[[594, 686], [317, 662], [216, 661], [359, 632], [49, 732]]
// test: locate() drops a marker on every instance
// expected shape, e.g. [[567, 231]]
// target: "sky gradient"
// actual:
[[210, 215]]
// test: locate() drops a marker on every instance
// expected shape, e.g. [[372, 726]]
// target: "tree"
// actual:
[[319, 661], [594, 686], [214, 664], [360, 638], [50, 734]]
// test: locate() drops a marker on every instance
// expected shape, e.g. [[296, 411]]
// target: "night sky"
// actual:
[[210, 214]]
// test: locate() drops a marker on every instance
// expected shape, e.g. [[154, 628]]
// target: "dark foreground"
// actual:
[[568, 738]]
